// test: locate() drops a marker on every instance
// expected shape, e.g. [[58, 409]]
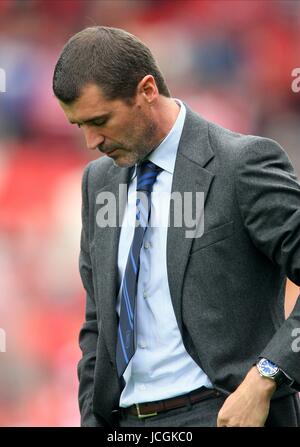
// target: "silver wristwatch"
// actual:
[[268, 369]]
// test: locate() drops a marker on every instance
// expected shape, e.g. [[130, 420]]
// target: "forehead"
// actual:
[[91, 102]]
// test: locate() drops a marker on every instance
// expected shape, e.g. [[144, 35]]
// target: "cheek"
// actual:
[[140, 131], [131, 132], [130, 135]]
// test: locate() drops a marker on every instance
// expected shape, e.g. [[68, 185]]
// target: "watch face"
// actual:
[[267, 368]]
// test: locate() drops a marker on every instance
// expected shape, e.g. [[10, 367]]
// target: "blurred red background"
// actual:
[[229, 60]]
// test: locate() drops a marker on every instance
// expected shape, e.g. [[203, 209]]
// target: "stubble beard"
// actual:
[[140, 149]]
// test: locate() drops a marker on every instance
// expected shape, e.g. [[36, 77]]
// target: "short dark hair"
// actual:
[[112, 58]]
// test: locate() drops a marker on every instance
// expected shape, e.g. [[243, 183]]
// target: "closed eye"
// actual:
[[93, 123], [99, 123]]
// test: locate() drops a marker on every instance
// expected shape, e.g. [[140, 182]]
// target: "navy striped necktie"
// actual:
[[146, 176]]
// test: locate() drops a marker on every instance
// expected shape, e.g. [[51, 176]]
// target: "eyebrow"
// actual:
[[89, 120]]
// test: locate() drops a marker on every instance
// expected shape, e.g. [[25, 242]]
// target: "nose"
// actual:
[[92, 137]]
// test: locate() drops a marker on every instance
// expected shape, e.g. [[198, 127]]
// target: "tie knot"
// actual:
[[146, 176]]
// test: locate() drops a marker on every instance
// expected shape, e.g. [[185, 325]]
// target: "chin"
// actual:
[[124, 161]]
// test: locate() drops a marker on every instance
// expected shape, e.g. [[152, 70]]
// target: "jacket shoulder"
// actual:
[[237, 148], [233, 143]]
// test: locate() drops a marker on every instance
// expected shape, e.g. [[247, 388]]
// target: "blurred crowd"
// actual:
[[231, 60]]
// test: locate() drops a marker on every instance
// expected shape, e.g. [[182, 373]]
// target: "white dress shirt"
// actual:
[[160, 367]]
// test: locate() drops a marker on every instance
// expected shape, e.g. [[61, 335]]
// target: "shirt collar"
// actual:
[[164, 155]]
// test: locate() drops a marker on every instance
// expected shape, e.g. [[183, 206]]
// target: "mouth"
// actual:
[[109, 153], [106, 151]]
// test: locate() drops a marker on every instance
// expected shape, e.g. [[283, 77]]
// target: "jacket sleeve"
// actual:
[[89, 332], [268, 195]]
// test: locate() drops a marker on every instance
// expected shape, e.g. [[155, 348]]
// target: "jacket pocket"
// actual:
[[212, 236]]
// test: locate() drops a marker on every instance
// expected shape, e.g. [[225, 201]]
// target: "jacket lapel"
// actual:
[[106, 246], [194, 152]]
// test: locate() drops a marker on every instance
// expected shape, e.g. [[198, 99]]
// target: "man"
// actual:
[[179, 331]]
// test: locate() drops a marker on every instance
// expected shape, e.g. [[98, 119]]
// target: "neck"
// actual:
[[166, 113]]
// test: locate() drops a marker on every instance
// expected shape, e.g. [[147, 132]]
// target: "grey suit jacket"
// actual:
[[227, 287]]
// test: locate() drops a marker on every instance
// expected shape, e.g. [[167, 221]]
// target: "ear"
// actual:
[[147, 89]]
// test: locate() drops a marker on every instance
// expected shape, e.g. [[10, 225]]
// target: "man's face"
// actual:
[[124, 132]]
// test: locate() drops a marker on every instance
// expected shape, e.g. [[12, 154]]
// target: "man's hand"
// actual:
[[249, 405]]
